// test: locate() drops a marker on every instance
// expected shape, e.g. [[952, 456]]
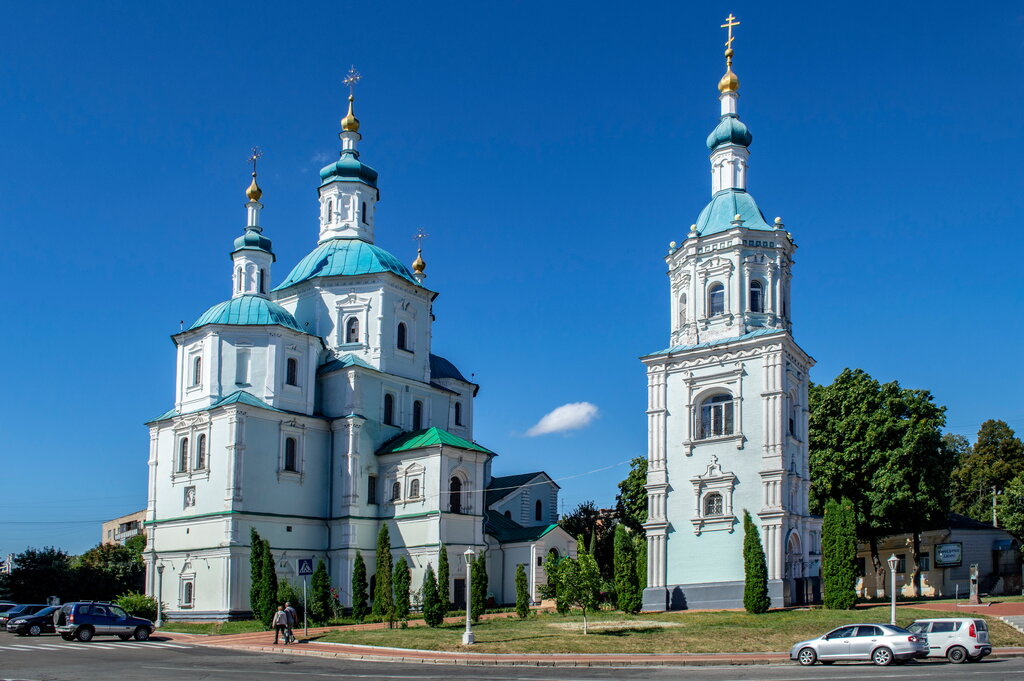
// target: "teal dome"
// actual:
[[730, 130], [248, 310], [349, 168], [253, 240], [345, 257], [719, 214]]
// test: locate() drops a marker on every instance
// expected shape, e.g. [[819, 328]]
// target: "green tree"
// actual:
[[289, 593], [402, 584], [432, 613], [839, 555], [549, 589], [755, 569], [478, 587], [136, 544], [996, 458], [641, 563], [596, 534], [40, 573], [1011, 507], [631, 502], [383, 591], [627, 586], [107, 570], [580, 584], [320, 600], [268, 575], [522, 592], [138, 605], [443, 579], [257, 589], [359, 588]]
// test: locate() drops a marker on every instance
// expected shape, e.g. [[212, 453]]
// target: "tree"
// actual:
[[839, 555], [996, 458], [522, 592], [595, 533], [257, 589], [402, 584], [641, 563], [289, 593], [107, 570], [40, 573], [443, 594], [1011, 507], [550, 589], [627, 586], [383, 593], [755, 569], [580, 584], [320, 601], [138, 604], [631, 502], [478, 588], [136, 544], [359, 587], [268, 575], [432, 613]]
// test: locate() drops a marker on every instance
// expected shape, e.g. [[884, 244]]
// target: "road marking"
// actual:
[[165, 645], [47, 646]]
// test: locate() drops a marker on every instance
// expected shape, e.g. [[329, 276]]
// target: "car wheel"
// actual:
[[124, 637], [141, 634], [35, 630], [84, 634], [882, 657], [957, 654], [807, 657]]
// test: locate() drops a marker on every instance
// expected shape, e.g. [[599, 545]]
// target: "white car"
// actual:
[[883, 644], [958, 639]]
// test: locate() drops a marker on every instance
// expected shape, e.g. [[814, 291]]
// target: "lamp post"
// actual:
[[467, 636], [159, 595], [893, 561]]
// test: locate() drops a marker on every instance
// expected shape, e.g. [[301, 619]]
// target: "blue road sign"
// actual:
[[305, 566]]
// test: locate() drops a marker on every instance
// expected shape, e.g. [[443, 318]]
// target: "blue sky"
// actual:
[[551, 151]]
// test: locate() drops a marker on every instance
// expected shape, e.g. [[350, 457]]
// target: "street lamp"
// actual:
[[893, 561], [467, 636], [159, 595]]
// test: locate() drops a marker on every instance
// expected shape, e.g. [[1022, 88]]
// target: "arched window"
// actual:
[[756, 296], [352, 330], [238, 278], [716, 416], [201, 452], [365, 221], [508, 514], [396, 491], [403, 340], [329, 218], [716, 300], [417, 415], [538, 511], [197, 371], [713, 504], [458, 413], [455, 495], [187, 594], [183, 455], [263, 281], [793, 412], [292, 371], [682, 310], [389, 409], [414, 489], [290, 454]]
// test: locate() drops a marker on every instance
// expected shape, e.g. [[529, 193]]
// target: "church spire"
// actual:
[[252, 255], [729, 140], [350, 124]]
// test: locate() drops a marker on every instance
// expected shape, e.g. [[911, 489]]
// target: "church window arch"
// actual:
[[352, 330], [682, 309], [389, 409], [329, 218], [363, 214], [291, 455], [713, 505], [292, 371], [396, 491], [197, 371], [538, 511], [238, 278], [187, 593], [183, 455], [508, 514], [201, 452], [417, 415], [716, 300], [717, 416], [794, 410], [414, 488], [756, 296], [458, 413], [263, 280], [402, 336], [455, 494]]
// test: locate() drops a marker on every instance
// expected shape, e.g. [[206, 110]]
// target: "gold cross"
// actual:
[[420, 236], [730, 21], [256, 155], [351, 79]]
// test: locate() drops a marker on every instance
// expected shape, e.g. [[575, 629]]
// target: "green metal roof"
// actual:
[[507, 531], [431, 437], [725, 205], [349, 168], [253, 240], [730, 130], [720, 341], [237, 397], [248, 310], [345, 257], [343, 362], [502, 486]]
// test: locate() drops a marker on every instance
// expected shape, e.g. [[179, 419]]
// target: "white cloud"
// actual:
[[570, 416]]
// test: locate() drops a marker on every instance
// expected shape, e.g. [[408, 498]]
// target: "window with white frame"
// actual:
[[713, 505], [717, 416], [756, 296], [458, 413], [713, 493], [716, 300], [291, 455], [201, 452], [197, 371], [243, 357], [396, 491], [417, 415], [183, 455], [389, 409], [402, 336], [363, 214], [371, 489], [682, 309], [263, 280], [414, 488], [188, 591], [352, 330], [291, 371], [329, 217]]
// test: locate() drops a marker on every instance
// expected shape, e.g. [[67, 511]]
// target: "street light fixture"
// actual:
[[893, 562], [159, 596], [467, 636]]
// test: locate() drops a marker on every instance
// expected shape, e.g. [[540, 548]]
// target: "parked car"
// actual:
[[880, 643], [6, 605], [23, 609], [35, 624], [958, 639], [85, 619]]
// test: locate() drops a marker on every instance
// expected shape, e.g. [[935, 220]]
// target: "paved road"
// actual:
[[48, 658]]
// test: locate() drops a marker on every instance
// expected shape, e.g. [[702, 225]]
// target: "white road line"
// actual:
[[164, 645], [47, 646], [17, 647]]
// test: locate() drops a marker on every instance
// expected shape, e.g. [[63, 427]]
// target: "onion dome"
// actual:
[[729, 82], [348, 168], [730, 130], [346, 257], [254, 192], [248, 310], [253, 240], [350, 123], [419, 264]]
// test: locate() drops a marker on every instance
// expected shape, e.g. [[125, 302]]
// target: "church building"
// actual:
[[316, 411], [727, 401]]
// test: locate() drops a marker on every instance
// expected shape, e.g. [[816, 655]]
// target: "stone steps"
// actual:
[[1015, 621]]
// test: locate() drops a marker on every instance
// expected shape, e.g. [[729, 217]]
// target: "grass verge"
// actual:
[[236, 627]]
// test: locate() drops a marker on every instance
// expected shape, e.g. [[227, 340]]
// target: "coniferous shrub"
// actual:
[[320, 600], [627, 586], [383, 594], [478, 587], [839, 555], [443, 576], [359, 587], [522, 592], [257, 592], [755, 568], [402, 584], [432, 613]]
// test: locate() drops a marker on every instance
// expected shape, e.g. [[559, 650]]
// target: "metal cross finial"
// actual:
[[730, 21], [420, 236], [351, 79], [256, 155]]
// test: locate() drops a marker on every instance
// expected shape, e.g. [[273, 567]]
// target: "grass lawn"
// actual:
[[680, 632], [237, 627]]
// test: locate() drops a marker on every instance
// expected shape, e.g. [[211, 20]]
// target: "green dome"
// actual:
[[253, 240], [730, 130], [344, 257], [719, 214], [248, 310], [349, 168]]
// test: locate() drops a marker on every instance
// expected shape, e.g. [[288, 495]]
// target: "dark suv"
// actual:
[[86, 619]]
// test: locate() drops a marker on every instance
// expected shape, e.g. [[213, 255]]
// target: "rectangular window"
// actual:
[[371, 489], [925, 564], [901, 563], [242, 358], [716, 419]]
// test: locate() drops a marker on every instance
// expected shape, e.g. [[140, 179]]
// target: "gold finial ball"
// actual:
[[729, 53], [419, 264], [778, 221], [736, 217], [350, 123], [729, 82], [254, 192]]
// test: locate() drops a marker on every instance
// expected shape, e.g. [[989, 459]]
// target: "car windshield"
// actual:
[[48, 610], [896, 630], [16, 609], [917, 627]]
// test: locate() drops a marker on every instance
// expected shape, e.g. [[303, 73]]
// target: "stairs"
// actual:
[[1015, 621]]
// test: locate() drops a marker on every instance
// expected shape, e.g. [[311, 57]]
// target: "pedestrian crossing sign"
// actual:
[[305, 566]]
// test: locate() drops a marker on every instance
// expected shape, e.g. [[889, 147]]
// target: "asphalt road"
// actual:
[[48, 658]]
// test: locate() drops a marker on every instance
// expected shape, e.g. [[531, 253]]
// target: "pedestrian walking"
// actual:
[[280, 624], [293, 621]]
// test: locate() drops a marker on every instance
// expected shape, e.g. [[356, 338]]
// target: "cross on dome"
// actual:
[[350, 123], [729, 82], [254, 192]]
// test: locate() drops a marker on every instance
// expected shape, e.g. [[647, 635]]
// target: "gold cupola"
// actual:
[[419, 265], [350, 123], [254, 192], [729, 82]]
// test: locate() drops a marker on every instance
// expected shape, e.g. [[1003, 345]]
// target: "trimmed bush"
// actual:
[[755, 568], [839, 555]]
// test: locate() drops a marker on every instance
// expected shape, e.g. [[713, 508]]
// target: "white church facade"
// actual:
[[315, 411], [727, 401]]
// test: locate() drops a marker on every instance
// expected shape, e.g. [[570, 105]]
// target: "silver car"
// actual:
[[880, 643], [958, 639]]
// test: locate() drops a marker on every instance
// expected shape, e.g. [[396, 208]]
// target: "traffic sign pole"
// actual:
[[305, 570]]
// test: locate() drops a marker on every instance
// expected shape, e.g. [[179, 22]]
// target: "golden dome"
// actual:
[[350, 123], [419, 265], [254, 192], [729, 82]]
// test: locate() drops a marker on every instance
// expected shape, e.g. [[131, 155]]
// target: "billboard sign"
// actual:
[[949, 555]]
